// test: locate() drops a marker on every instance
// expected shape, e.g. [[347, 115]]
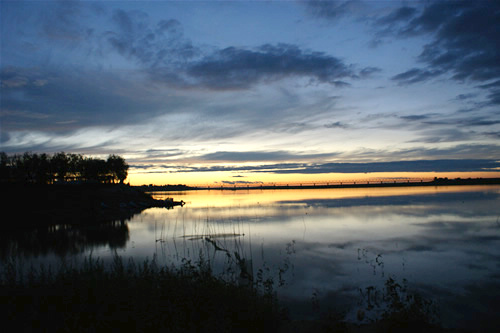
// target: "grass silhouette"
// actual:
[[126, 297]]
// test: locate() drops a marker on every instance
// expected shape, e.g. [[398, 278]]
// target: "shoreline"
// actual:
[[42, 205], [37, 205]]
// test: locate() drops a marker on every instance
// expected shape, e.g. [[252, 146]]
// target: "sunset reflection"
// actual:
[[235, 198], [439, 238]]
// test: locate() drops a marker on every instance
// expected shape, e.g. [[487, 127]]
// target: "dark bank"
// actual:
[[35, 204]]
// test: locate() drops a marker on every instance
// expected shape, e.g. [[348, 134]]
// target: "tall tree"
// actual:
[[118, 167], [93, 169], [60, 166]]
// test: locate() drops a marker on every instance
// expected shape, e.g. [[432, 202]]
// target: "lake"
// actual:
[[323, 249]]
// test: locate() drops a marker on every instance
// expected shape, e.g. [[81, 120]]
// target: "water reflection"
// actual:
[[62, 240], [334, 242], [444, 241]]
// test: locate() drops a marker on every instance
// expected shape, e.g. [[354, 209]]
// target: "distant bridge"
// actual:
[[352, 183], [373, 182]]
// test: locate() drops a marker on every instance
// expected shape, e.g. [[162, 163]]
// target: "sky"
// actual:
[[227, 92]]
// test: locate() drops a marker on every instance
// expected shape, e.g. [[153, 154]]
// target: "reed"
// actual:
[[127, 296]]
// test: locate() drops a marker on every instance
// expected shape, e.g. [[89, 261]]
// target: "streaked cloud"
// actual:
[[461, 165], [464, 40], [261, 156], [415, 75]]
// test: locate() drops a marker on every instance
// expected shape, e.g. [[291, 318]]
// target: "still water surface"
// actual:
[[323, 246]]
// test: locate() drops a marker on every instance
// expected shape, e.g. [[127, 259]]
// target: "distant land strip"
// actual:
[[333, 184]]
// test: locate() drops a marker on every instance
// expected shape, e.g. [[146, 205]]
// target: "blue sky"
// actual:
[[245, 88]]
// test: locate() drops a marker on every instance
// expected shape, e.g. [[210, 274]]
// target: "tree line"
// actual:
[[60, 168]]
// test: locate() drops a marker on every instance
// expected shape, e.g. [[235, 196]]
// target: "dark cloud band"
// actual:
[[449, 165]]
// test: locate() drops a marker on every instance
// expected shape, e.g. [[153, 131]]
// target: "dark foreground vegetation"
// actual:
[[125, 297], [117, 296], [92, 296]]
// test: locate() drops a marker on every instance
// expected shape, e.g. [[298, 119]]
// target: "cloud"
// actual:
[[245, 168], [69, 94], [463, 97], [430, 165], [460, 151], [480, 122], [495, 84], [464, 37], [234, 68], [10, 79], [5, 113], [414, 117], [151, 45], [428, 152], [257, 156], [61, 20], [65, 99], [453, 121], [369, 71], [162, 51], [465, 41], [495, 97], [337, 124], [400, 15], [163, 152], [169, 57], [463, 157], [415, 75], [333, 10], [443, 135], [403, 166], [495, 135]]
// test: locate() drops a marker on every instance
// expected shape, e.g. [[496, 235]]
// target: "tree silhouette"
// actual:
[[75, 162], [118, 168], [94, 169], [4, 167], [61, 167]]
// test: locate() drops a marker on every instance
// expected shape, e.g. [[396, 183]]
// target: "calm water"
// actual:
[[322, 246]]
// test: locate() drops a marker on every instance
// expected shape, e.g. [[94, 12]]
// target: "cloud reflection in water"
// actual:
[[444, 241]]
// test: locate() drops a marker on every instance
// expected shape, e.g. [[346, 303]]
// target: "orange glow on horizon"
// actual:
[[218, 178]]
